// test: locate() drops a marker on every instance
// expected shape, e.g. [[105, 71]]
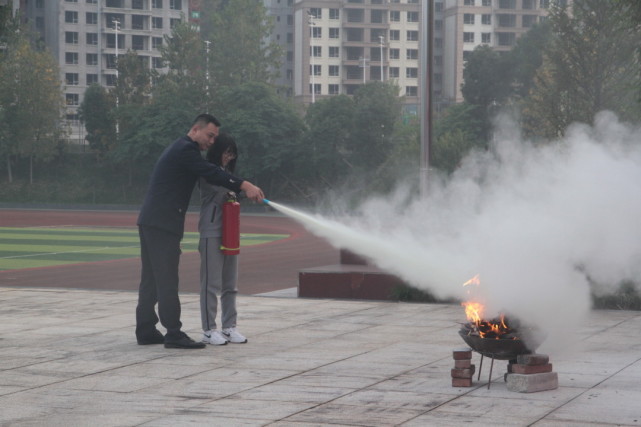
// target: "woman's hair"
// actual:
[[223, 143]]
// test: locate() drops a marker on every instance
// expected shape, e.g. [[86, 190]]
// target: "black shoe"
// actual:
[[153, 338], [182, 341]]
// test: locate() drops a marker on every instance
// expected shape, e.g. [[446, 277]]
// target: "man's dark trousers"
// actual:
[[160, 253]]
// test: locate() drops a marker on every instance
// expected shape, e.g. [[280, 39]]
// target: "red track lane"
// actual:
[[263, 268]]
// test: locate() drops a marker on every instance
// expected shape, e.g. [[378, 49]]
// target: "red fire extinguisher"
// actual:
[[231, 226]]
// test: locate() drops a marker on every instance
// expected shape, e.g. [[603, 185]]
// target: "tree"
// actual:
[[96, 112], [238, 31], [590, 65], [487, 78], [30, 100], [268, 131]]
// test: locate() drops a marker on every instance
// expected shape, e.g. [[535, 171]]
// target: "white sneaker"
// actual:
[[233, 336], [214, 337]]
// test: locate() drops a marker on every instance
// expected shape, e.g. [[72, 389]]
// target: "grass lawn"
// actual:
[[45, 246]]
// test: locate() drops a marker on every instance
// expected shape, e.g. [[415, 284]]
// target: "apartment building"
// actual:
[[86, 37], [496, 23], [282, 13], [339, 45]]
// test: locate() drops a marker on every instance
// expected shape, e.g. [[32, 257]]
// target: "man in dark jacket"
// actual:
[[161, 225]]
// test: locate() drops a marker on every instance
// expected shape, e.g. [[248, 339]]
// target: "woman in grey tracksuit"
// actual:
[[218, 272]]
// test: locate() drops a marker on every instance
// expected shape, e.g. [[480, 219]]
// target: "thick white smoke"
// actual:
[[531, 220]]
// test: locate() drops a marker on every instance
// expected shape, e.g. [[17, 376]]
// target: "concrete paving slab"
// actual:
[[307, 363]]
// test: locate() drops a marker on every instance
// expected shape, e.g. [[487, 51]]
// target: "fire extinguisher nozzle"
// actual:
[[266, 201]]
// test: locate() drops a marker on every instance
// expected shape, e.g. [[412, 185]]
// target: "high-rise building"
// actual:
[[339, 45], [495, 23], [282, 13], [86, 37]]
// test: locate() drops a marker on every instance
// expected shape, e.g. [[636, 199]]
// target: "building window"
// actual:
[[157, 62], [175, 4], [334, 33], [72, 98], [393, 72], [315, 70], [411, 54], [506, 39], [334, 14], [468, 37], [138, 22], [486, 19], [91, 18], [333, 89], [138, 42], [394, 54], [71, 1], [71, 58], [156, 23], [290, 37], [92, 79], [395, 16], [394, 35], [334, 51], [486, 38], [529, 20], [290, 74], [411, 91], [156, 4], [40, 23], [334, 70], [528, 4], [486, 2], [507, 4], [506, 20], [173, 22], [544, 4], [317, 89], [290, 55], [315, 12], [110, 79], [412, 36], [92, 1], [412, 16], [92, 39], [468, 3], [71, 37], [71, 79], [468, 18], [92, 59], [317, 32], [290, 19], [156, 42], [376, 16], [71, 17], [40, 4], [315, 51], [115, 3], [411, 72], [136, 4]]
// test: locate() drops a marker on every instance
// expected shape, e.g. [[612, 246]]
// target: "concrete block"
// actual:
[[532, 359], [461, 382], [533, 382], [462, 354], [530, 369], [463, 363], [464, 373]]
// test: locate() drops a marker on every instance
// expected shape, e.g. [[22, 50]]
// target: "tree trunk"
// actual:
[[31, 169], [10, 174]]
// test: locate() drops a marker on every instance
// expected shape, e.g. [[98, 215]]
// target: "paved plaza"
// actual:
[[69, 358]]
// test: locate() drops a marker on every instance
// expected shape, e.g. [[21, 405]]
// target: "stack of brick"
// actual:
[[463, 368], [531, 373]]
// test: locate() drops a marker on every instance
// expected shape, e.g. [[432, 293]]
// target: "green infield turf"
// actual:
[[44, 246]]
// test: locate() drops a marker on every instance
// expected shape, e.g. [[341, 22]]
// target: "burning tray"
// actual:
[[506, 345]]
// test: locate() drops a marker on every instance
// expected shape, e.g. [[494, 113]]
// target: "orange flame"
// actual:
[[474, 311]]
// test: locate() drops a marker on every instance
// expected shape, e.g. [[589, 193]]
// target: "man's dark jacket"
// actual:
[[172, 183]]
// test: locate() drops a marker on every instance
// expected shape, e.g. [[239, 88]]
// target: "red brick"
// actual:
[[531, 369], [462, 354], [461, 382], [463, 373], [532, 359], [463, 363], [533, 382]]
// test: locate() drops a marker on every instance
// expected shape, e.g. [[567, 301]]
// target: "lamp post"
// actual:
[[116, 29], [380, 38], [427, 49]]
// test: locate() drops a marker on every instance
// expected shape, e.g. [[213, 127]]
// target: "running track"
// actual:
[[263, 268]]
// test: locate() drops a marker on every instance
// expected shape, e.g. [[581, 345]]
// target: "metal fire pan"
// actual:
[[495, 348]]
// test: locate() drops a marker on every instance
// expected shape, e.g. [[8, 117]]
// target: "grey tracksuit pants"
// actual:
[[218, 276]]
